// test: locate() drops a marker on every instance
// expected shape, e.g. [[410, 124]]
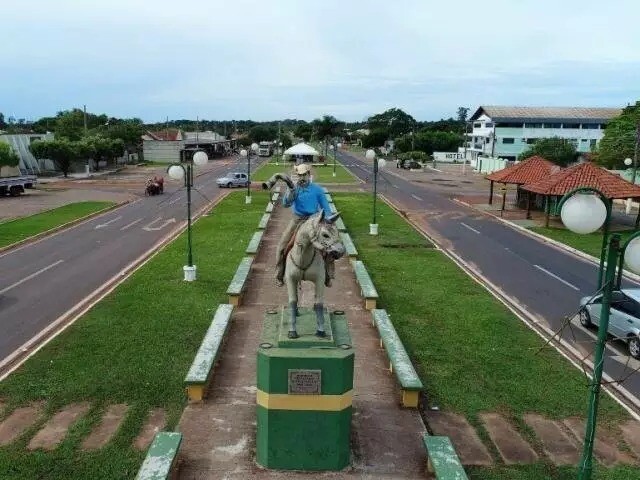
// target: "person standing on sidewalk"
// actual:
[[307, 198]]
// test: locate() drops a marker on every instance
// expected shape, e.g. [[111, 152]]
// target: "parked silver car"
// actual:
[[624, 319], [233, 179]]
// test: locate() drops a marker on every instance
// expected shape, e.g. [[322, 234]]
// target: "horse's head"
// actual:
[[325, 236]]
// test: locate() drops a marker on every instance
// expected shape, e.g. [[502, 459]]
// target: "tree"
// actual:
[[130, 131], [557, 150], [395, 121], [304, 131], [261, 133], [376, 138], [8, 158], [620, 137], [61, 152], [3, 124], [462, 114], [326, 128]]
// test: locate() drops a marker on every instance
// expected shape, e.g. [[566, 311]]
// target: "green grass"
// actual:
[[134, 347], [15, 230], [591, 244], [321, 174], [472, 353]]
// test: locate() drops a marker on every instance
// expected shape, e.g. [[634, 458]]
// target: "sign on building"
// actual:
[[448, 156]]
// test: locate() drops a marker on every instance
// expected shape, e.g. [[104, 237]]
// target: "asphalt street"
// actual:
[[43, 280], [546, 281]]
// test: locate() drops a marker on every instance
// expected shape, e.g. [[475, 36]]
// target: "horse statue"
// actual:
[[314, 239]]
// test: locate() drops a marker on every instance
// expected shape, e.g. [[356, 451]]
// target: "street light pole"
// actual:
[[371, 155]]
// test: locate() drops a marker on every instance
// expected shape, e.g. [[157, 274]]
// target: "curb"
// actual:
[[554, 243], [20, 355], [628, 401], [59, 228]]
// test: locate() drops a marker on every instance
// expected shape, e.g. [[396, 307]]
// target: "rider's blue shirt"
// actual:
[[306, 200]]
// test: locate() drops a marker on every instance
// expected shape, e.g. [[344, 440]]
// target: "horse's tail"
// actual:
[[268, 185]]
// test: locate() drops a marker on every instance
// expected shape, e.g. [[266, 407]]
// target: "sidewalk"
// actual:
[[219, 434]]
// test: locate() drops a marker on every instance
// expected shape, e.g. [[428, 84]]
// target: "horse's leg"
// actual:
[[318, 305], [292, 290]]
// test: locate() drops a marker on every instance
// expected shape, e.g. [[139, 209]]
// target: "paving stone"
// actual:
[[512, 447], [20, 420], [468, 445], [154, 424], [631, 434], [605, 448], [54, 431], [102, 434], [559, 447]]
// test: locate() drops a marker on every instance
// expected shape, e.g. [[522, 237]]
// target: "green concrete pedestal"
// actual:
[[305, 391]]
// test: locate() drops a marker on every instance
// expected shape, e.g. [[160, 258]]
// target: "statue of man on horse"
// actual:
[[309, 245]]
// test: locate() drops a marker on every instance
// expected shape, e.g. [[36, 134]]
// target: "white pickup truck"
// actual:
[[14, 185]]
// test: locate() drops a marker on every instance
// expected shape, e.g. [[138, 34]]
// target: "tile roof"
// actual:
[[167, 135], [529, 170], [585, 175], [502, 113]]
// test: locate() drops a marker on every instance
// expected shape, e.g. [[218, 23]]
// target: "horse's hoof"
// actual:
[[321, 334], [292, 334]]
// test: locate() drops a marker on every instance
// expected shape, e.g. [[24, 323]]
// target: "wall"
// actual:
[[162, 151]]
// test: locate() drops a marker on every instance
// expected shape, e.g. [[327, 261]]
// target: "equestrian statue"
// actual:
[[309, 245]]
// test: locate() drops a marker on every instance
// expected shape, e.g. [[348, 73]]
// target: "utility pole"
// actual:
[[85, 119], [635, 154]]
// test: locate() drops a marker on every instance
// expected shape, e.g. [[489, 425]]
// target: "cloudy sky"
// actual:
[[271, 59]]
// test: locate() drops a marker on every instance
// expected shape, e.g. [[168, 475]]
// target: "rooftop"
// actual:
[[585, 175], [529, 170], [505, 113]]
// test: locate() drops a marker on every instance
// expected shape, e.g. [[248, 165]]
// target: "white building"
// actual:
[[165, 146], [508, 131]]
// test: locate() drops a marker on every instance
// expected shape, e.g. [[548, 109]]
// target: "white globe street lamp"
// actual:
[[628, 162], [377, 164], [247, 155], [583, 213], [181, 171]]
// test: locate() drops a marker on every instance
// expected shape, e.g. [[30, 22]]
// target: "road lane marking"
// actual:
[[431, 168], [102, 225], [470, 228], [416, 197], [29, 277], [557, 277], [149, 228], [174, 201], [132, 224]]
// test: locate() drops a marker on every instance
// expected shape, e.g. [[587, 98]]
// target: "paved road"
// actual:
[[43, 280], [547, 281]]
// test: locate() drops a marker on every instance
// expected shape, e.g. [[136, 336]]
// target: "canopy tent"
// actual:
[[301, 149], [585, 174]]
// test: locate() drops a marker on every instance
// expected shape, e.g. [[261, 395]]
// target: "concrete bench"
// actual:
[[161, 461], [236, 287], [333, 208], [443, 461], [348, 244], [367, 289], [264, 221], [328, 197], [254, 244], [269, 208], [399, 361], [200, 371], [325, 189], [340, 225]]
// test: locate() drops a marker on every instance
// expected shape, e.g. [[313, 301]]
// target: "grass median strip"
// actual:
[[321, 174], [591, 243], [16, 230], [472, 353], [134, 347]]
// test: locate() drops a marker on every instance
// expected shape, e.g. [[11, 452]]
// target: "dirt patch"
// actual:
[[557, 445], [631, 434], [605, 445], [155, 423], [512, 447], [111, 421], [20, 420], [54, 431]]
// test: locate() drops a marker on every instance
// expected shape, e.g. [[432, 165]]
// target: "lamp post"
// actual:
[[247, 154], [336, 146], [583, 211], [280, 153], [377, 163], [177, 172], [628, 162]]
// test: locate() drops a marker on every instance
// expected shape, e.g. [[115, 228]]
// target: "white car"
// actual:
[[233, 179], [624, 316]]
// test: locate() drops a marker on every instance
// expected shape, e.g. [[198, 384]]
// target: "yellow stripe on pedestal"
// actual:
[[325, 403]]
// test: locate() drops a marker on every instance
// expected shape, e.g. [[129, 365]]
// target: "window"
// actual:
[[592, 142], [552, 125], [573, 141], [509, 125], [583, 140], [533, 125], [507, 140], [531, 141], [590, 126], [571, 125], [477, 125], [489, 124]]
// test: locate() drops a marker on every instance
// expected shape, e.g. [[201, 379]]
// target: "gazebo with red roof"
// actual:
[[581, 175], [527, 171]]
